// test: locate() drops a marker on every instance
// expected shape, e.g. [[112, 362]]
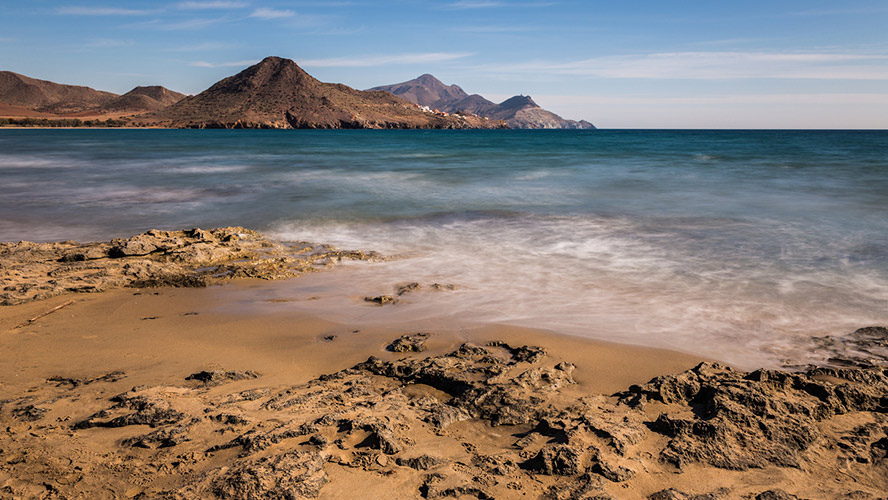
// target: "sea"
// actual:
[[741, 246]]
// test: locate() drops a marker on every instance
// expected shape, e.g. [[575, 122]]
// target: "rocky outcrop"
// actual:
[[503, 420], [742, 420], [191, 258], [413, 342]]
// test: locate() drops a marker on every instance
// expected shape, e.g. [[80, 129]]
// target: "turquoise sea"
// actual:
[[739, 245]]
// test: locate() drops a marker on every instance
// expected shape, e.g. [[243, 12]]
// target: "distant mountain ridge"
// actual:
[[274, 93], [46, 96], [517, 112], [49, 97], [277, 93]]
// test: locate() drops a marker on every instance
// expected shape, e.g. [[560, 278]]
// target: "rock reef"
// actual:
[[191, 258]]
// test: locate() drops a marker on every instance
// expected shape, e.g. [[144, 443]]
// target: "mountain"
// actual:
[[49, 97], [150, 98], [516, 112], [277, 93], [24, 96]]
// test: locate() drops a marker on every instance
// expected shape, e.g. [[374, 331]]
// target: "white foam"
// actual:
[[591, 277]]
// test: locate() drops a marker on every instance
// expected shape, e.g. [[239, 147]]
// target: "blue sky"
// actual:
[[635, 64]]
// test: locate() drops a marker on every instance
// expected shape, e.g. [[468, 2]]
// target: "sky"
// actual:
[[618, 64]]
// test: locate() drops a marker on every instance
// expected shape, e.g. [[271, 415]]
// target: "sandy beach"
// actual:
[[163, 392]]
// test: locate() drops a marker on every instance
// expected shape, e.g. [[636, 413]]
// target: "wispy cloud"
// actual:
[[714, 66], [205, 64], [103, 11], [496, 29], [209, 5], [102, 43], [187, 24], [490, 4], [384, 60], [265, 13], [202, 46]]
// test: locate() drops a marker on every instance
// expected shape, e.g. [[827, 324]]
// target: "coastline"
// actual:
[[199, 398]]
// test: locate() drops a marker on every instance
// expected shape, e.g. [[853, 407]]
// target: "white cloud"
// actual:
[[205, 64], [202, 46], [384, 60], [103, 11], [714, 66], [99, 43], [188, 24], [211, 5], [264, 13], [488, 4]]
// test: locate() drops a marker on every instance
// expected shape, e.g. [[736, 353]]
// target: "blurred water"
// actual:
[[734, 244]]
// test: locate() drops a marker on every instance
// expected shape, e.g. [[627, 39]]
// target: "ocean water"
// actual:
[[738, 245]]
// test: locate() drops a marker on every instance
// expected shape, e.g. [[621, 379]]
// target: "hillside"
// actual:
[[49, 97], [150, 98], [277, 93], [516, 112]]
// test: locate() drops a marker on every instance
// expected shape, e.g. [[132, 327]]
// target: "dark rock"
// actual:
[[674, 494], [409, 287], [556, 460], [29, 413], [865, 347], [381, 300], [414, 342], [137, 408], [218, 377], [381, 434], [422, 462], [161, 438], [318, 440], [230, 419], [612, 472], [775, 495]]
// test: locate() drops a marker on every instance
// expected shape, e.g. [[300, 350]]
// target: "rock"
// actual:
[[674, 494], [865, 347], [755, 419], [193, 258], [318, 440], [612, 472], [161, 438], [414, 342], [422, 462], [775, 495], [381, 300], [381, 434], [77, 382], [137, 407], [29, 413], [556, 460], [289, 476], [143, 244], [217, 377], [409, 287]]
